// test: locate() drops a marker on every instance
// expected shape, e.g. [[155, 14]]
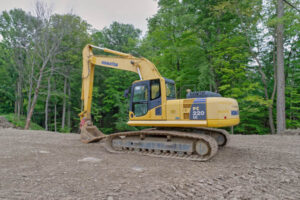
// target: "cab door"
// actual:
[[146, 99], [155, 102], [139, 98]]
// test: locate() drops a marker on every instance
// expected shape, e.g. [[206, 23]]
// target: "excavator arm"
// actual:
[[121, 61]]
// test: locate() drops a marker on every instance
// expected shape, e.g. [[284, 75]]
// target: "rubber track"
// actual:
[[153, 132], [206, 131]]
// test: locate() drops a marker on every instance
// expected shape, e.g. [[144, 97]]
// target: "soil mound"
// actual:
[[5, 124], [291, 132]]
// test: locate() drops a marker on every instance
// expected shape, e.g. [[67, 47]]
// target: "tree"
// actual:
[[292, 67], [46, 45], [7, 78], [69, 62], [16, 27], [281, 124]]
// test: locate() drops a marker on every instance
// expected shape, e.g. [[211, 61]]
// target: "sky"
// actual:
[[98, 13]]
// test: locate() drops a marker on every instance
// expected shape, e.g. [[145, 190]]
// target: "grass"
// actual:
[[12, 118]]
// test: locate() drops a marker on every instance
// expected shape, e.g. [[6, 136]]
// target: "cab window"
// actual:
[[140, 100], [155, 89], [140, 93], [170, 89]]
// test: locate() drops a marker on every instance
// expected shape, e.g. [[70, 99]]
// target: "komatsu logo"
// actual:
[[234, 112], [109, 63]]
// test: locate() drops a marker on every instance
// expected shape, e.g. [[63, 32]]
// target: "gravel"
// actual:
[[48, 165]]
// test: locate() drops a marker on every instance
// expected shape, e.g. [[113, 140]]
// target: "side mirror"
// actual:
[[126, 92]]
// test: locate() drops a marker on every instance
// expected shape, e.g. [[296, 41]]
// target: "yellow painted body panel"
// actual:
[[218, 114], [222, 122], [220, 107], [187, 123], [178, 123], [173, 110]]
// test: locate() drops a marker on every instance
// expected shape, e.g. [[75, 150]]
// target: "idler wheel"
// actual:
[[202, 148], [221, 140]]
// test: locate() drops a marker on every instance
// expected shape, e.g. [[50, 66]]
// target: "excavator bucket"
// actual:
[[89, 134]]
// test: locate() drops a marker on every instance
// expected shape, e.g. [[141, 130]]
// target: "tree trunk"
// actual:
[[69, 104], [19, 96], [46, 106], [270, 107], [263, 79], [271, 121], [213, 85], [46, 46], [30, 86], [16, 99], [55, 110], [265, 84], [280, 70], [178, 65], [36, 94], [21, 99], [48, 97], [64, 105], [293, 86]]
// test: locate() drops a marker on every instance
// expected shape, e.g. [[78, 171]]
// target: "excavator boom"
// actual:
[[121, 61]]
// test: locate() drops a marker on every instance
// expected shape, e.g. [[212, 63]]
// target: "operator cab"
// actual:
[[147, 95]]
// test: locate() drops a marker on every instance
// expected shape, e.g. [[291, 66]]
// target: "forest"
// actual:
[[225, 46]]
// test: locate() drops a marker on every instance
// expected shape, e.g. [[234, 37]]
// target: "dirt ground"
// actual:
[[47, 165]]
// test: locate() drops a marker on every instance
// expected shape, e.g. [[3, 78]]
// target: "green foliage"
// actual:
[[118, 36], [201, 45], [6, 81], [65, 130], [12, 118]]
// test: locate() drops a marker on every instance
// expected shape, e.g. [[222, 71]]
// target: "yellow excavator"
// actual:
[[180, 128]]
